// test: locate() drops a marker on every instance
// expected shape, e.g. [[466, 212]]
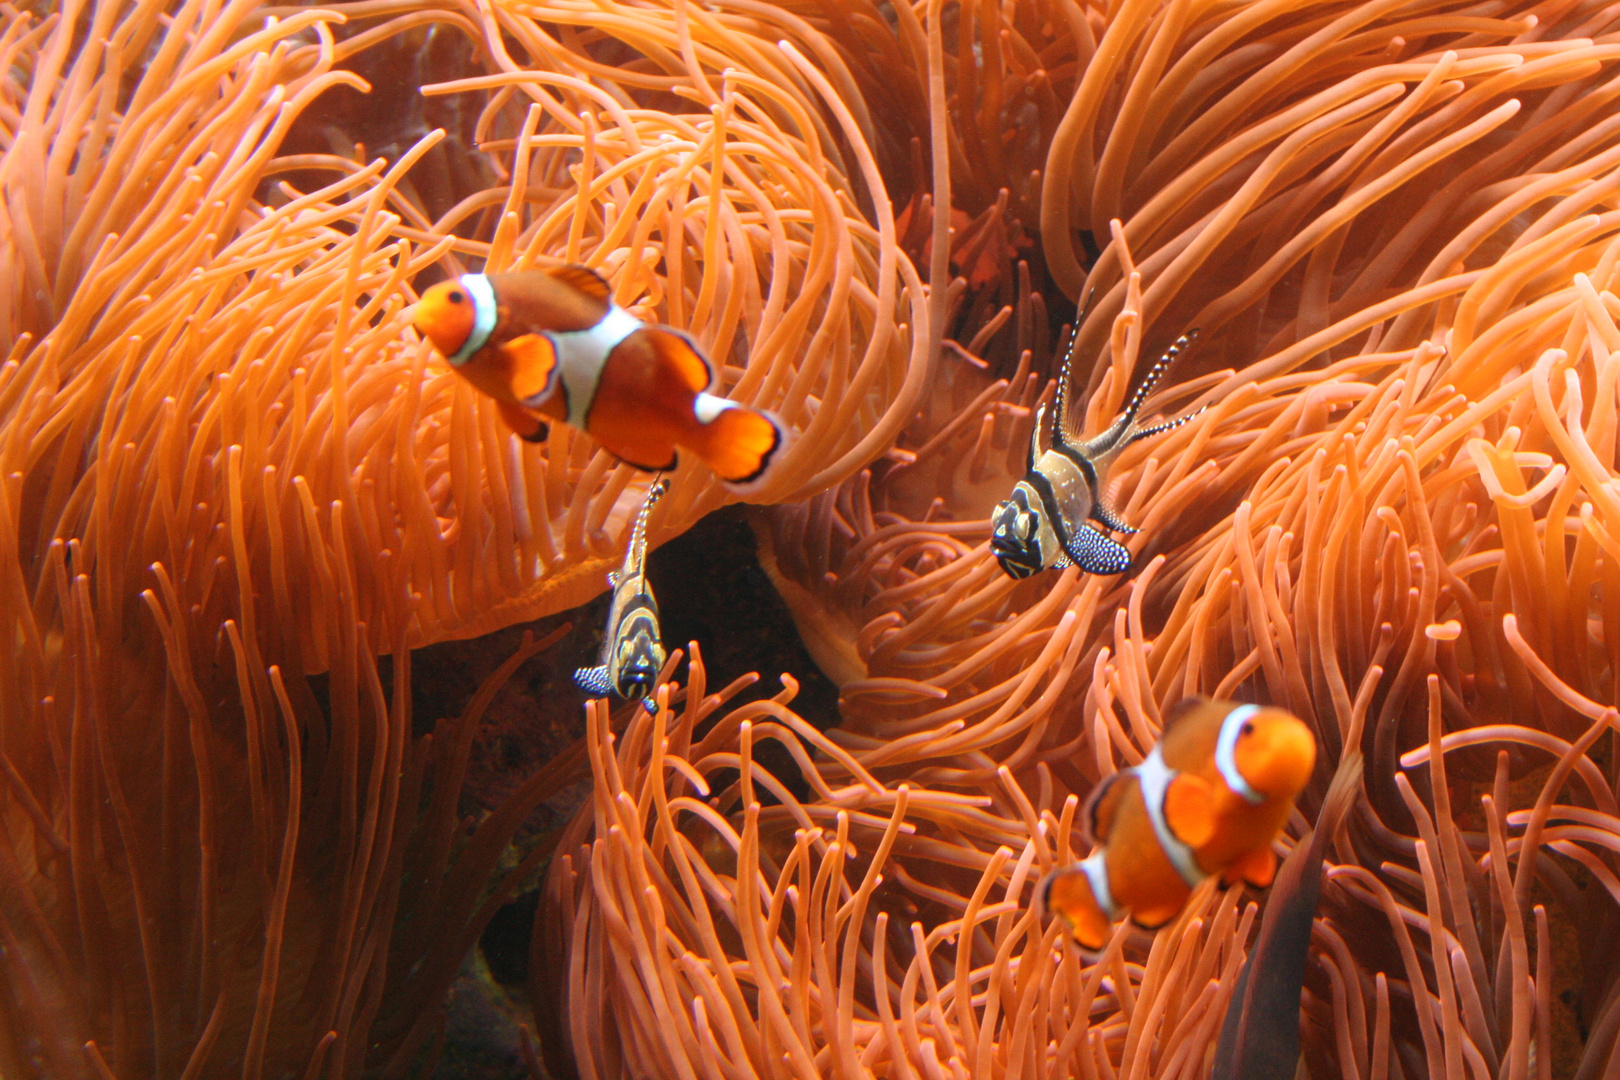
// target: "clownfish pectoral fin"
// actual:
[[1067, 894], [534, 367], [1153, 916], [681, 353], [1097, 554], [1257, 868], [1097, 816], [737, 442], [1189, 809], [529, 427], [594, 680], [584, 279]]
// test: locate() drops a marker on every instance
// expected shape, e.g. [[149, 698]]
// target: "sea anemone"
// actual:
[[232, 467], [233, 479]]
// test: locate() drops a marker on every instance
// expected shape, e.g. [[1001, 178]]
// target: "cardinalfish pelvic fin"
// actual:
[[1209, 799], [551, 345], [1045, 522], [633, 647]]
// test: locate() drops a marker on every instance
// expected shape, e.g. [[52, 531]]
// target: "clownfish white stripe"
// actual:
[[708, 406], [581, 354], [1155, 777], [485, 313], [1097, 877], [1226, 753]]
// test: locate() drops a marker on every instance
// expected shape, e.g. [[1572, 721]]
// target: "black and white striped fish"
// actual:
[[633, 649], [1045, 522]]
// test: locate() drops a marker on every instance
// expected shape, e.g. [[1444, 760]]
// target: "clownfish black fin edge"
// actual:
[[1155, 918], [668, 466], [741, 443], [1097, 815], [1183, 708], [524, 424]]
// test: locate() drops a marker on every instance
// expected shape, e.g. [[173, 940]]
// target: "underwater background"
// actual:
[[294, 781]]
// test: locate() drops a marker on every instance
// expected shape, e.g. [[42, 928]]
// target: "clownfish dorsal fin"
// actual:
[[682, 353], [1179, 712], [1189, 809], [1097, 816], [584, 279]]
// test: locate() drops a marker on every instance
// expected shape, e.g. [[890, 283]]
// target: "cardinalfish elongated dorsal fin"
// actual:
[[635, 559], [1062, 433], [681, 353], [739, 443], [584, 279], [1097, 816], [1123, 431]]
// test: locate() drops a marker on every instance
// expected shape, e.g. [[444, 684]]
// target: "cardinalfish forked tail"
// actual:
[[552, 345], [633, 647], [1044, 523], [1209, 799]]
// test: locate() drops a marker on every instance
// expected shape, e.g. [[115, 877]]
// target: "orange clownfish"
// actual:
[[552, 345], [1208, 800]]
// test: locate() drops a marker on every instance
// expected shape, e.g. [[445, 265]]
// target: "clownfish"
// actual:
[[1209, 799], [552, 345], [633, 647], [1044, 522]]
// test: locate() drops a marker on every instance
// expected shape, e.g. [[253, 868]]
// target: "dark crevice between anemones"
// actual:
[[711, 590]]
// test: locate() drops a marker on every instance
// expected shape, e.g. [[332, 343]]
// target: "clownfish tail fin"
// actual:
[[739, 443]]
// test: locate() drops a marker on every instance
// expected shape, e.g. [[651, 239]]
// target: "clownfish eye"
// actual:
[[457, 296], [1247, 729]]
